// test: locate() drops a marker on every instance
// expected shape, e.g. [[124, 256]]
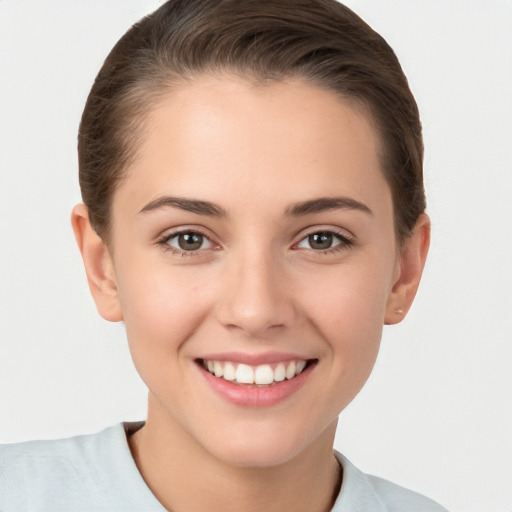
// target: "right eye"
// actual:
[[188, 241]]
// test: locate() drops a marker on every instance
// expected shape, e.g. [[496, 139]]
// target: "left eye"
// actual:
[[321, 240], [189, 241]]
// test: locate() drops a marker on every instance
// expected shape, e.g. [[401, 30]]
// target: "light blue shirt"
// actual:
[[96, 473]]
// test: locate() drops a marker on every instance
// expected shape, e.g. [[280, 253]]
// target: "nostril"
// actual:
[[256, 297], [255, 316]]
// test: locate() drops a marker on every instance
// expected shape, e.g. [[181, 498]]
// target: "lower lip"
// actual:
[[252, 396]]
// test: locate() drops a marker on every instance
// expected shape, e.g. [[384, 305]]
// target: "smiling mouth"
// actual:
[[263, 375]]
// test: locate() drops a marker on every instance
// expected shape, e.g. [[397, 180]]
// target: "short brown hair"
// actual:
[[320, 41]]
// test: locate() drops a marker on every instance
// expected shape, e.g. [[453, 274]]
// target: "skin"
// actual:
[[256, 285]]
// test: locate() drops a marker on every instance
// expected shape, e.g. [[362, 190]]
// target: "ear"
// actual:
[[98, 265], [410, 267]]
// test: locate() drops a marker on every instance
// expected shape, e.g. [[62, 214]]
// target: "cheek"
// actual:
[[161, 309], [349, 315], [352, 296]]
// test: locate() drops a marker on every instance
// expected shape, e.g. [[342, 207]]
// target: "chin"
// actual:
[[267, 448], [258, 455]]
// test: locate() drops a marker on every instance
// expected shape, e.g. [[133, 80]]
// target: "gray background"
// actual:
[[436, 415]]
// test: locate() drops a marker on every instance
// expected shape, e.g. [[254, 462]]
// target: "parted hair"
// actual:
[[320, 41]]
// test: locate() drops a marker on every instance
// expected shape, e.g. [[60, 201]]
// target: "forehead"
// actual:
[[276, 141]]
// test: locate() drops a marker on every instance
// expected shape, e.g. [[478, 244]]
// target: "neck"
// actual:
[[184, 477]]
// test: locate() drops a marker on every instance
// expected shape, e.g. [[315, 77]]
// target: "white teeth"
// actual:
[[290, 370], [229, 371], [244, 374], [261, 375], [217, 369], [280, 373]]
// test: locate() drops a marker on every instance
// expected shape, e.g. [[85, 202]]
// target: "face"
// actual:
[[255, 260]]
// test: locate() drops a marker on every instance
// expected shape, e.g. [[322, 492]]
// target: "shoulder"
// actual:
[[60, 455], [42, 449], [360, 491], [89, 472]]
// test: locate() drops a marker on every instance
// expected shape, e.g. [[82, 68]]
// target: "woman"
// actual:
[[254, 213]]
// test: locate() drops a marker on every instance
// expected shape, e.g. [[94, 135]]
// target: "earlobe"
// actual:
[[98, 265], [411, 264]]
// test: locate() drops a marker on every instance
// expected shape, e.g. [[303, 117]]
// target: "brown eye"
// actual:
[[321, 240], [189, 241], [324, 240]]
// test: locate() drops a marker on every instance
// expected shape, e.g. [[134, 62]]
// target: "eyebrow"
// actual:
[[323, 204], [318, 205], [189, 205]]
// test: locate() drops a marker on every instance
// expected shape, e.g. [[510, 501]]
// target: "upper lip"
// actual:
[[254, 359]]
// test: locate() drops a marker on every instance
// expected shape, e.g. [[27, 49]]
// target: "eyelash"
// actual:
[[345, 242], [163, 242]]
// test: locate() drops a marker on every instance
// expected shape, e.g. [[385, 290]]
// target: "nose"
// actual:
[[256, 296]]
